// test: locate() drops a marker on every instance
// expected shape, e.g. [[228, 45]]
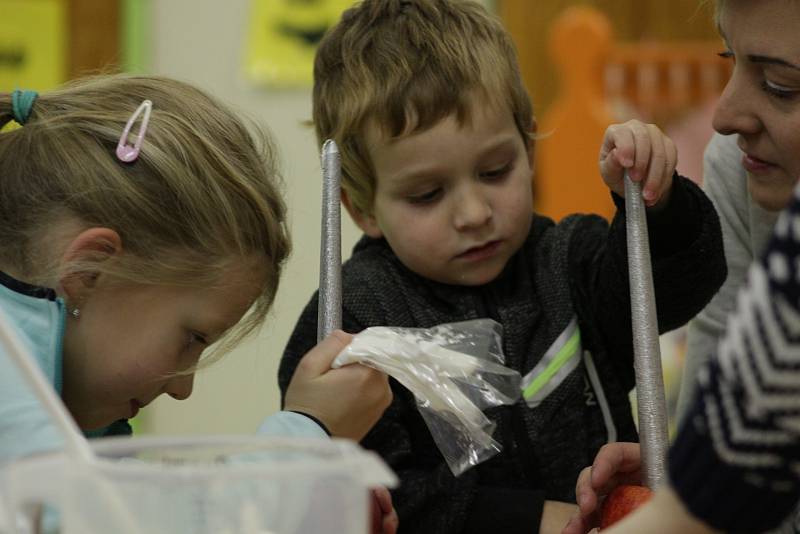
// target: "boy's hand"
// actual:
[[614, 465], [648, 154], [349, 401]]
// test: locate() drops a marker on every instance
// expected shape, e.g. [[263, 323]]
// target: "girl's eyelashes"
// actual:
[[727, 54], [196, 338]]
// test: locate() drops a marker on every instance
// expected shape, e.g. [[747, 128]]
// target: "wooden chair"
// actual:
[[604, 81]]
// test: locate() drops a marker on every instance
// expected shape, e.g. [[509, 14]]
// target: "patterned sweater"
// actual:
[[736, 460], [573, 272], [746, 229]]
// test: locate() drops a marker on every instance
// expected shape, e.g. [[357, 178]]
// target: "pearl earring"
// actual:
[[76, 312]]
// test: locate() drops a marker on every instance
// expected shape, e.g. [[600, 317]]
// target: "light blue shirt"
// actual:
[[38, 316], [285, 424]]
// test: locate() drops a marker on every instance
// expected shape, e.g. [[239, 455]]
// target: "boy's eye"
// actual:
[[425, 198], [496, 174], [778, 91]]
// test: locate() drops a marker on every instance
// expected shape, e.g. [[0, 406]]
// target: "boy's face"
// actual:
[[454, 201]]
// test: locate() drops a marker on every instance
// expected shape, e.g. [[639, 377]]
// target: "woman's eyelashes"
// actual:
[[771, 88], [778, 91]]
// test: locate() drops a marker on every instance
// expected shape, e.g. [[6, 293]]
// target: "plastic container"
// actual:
[[199, 485]]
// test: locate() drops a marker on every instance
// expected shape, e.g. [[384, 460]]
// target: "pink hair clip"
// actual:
[[128, 153]]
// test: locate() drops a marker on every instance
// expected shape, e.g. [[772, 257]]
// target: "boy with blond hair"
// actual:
[[436, 132]]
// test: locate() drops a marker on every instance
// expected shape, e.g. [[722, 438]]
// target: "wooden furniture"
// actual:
[[94, 36], [601, 81]]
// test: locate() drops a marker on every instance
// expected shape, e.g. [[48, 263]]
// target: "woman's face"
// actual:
[[761, 103]]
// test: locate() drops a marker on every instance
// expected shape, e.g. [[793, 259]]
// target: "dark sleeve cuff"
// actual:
[[678, 224], [504, 510], [726, 497], [320, 423]]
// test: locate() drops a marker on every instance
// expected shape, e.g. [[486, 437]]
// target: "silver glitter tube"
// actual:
[[329, 315], [652, 406]]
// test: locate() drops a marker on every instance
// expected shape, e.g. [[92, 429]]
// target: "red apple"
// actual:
[[622, 501]]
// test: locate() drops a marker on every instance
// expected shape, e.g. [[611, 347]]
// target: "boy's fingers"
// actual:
[[642, 148], [319, 359], [619, 143], [672, 156], [651, 190], [610, 166]]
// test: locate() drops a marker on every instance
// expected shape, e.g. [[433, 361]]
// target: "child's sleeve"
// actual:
[[688, 266], [687, 254], [736, 460], [292, 424]]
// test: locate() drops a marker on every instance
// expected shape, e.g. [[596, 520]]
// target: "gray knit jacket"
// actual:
[[576, 268]]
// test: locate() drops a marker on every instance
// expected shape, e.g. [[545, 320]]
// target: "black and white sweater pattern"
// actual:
[[736, 460]]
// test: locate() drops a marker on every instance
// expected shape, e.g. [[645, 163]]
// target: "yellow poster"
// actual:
[[33, 47], [283, 36]]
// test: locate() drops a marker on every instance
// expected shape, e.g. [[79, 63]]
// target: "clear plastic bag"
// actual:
[[455, 371]]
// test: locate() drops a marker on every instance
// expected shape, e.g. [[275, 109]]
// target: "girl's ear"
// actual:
[[91, 247], [367, 223]]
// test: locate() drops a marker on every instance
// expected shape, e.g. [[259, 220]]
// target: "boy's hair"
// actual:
[[202, 195], [404, 65]]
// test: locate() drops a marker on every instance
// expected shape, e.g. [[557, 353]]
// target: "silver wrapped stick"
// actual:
[[329, 314], [652, 406]]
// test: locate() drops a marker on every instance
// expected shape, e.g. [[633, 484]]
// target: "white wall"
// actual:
[[202, 42]]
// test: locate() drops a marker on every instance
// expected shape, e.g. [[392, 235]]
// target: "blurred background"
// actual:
[[585, 63]]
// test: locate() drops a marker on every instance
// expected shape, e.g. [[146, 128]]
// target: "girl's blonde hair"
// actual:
[[404, 65], [202, 194]]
